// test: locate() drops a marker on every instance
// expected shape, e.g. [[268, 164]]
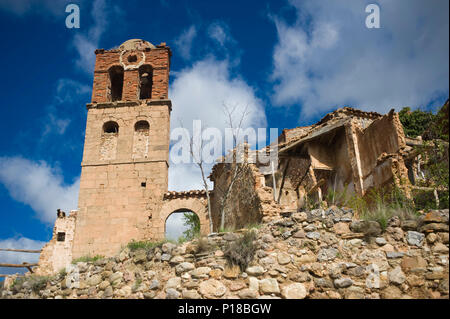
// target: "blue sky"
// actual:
[[290, 61]]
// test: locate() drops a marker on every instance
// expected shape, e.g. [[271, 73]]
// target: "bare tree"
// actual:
[[237, 167], [198, 160]]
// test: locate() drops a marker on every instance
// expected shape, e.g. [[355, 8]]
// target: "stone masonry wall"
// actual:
[[312, 254], [119, 196]]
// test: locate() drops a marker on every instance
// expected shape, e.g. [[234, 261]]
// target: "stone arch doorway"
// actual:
[[193, 204], [182, 223]]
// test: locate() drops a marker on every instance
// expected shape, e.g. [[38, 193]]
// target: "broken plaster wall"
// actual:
[[57, 253], [380, 146], [141, 143], [108, 146]]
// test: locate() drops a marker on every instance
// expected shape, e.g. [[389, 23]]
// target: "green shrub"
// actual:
[[38, 282], [87, 259], [146, 245], [242, 251], [382, 204]]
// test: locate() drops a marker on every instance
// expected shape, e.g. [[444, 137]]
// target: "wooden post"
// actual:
[[22, 250]]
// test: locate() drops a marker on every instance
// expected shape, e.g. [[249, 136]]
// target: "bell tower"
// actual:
[[126, 150]]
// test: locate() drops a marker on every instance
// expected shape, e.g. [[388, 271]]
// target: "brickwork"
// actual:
[[130, 60]]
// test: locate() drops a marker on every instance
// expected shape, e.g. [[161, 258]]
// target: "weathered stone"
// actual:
[[327, 254], [172, 294], [434, 227], [397, 276], [341, 228], [212, 288], [310, 228], [299, 217], [299, 234], [201, 272], [173, 282], [283, 258], [235, 286], [103, 285], [247, 294], [380, 241], [294, 291], [443, 237], [323, 283], [392, 292], [190, 294], [232, 271], [154, 284], [409, 224], [306, 258], [267, 238], [439, 248], [343, 282], [168, 247], [255, 271], [116, 278], [313, 235], [394, 254], [108, 292], [269, 286], [431, 238], [166, 257], [415, 238], [436, 216], [176, 260], [140, 256], [373, 279], [184, 267], [215, 273], [253, 283], [286, 234], [413, 263]]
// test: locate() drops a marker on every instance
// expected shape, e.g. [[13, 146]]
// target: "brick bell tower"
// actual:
[[125, 161]]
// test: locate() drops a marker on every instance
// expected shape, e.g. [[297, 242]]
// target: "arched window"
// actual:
[[111, 127], [108, 146], [141, 139], [145, 82], [116, 83], [141, 126]]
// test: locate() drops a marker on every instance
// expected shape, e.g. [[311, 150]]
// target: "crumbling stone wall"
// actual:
[[243, 205], [317, 254], [57, 253]]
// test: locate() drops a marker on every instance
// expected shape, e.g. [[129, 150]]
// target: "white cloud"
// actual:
[[86, 43], [198, 93], [38, 185], [328, 58], [184, 41], [220, 32]]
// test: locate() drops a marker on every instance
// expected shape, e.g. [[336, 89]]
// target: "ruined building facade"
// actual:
[[124, 179]]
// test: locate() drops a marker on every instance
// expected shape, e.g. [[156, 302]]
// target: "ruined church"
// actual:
[[124, 192]]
